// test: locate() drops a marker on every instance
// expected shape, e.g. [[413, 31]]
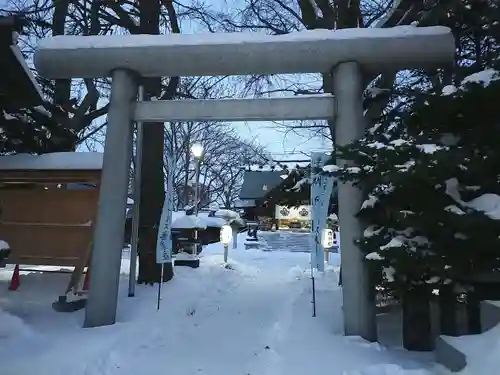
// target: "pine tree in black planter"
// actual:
[[430, 169]]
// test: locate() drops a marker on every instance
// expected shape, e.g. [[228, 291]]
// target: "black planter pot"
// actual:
[[448, 309], [417, 328]]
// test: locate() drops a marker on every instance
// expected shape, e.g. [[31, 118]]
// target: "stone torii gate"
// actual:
[[345, 52]]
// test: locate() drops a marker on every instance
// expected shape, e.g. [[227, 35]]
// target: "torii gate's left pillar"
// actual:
[[110, 225]]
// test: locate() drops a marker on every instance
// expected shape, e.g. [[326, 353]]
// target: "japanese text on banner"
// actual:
[[164, 241]]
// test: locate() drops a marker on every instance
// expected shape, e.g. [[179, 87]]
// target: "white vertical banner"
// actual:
[[321, 191], [164, 241]]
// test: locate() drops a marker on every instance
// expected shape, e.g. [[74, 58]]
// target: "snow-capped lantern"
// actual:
[[327, 239], [226, 234]]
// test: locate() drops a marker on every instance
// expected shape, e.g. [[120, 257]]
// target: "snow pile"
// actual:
[[4, 245], [212, 221], [53, 161], [488, 203], [263, 296], [12, 328], [216, 39], [189, 222], [484, 78], [449, 90], [243, 203], [330, 168], [264, 168], [388, 370], [230, 216], [300, 184], [202, 221], [226, 214], [333, 216], [183, 256], [482, 351]]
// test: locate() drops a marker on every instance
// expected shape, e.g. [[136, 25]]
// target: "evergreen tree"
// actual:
[[36, 129], [295, 190], [32, 130], [430, 169]]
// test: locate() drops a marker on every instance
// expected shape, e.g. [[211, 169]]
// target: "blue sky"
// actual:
[[267, 134], [277, 142]]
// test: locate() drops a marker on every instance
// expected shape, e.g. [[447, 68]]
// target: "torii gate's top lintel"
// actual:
[[402, 47]]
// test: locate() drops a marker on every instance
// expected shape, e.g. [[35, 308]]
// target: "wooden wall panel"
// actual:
[[59, 206], [47, 227]]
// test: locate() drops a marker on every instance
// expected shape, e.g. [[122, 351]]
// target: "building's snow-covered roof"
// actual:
[[244, 203], [310, 51], [53, 161], [266, 168], [257, 184]]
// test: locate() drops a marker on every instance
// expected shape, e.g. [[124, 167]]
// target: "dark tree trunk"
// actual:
[[448, 311], [152, 179], [417, 333], [62, 88]]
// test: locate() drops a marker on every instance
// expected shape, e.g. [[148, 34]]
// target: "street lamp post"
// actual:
[[197, 151]]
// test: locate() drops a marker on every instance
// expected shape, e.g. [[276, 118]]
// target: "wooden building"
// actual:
[[279, 198], [44, 221], [256, 186]]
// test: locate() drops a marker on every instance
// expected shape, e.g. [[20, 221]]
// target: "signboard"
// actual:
[[321, 190], [293, 213], [335, 247], [328, 238], [164, 241]]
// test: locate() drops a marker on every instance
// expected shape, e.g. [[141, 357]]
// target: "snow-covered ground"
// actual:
[[252, 319]]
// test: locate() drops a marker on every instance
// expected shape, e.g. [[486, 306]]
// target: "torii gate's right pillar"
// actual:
[[358, 301]]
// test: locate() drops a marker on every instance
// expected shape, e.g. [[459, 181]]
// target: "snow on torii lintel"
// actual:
[[207, 54], [52, 161]]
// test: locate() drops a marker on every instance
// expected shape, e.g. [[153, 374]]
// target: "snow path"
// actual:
[[252, 319], [218, 306], [223, 318]]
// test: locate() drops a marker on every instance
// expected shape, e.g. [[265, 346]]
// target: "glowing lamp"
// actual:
[[226, 234], [197, 150]]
